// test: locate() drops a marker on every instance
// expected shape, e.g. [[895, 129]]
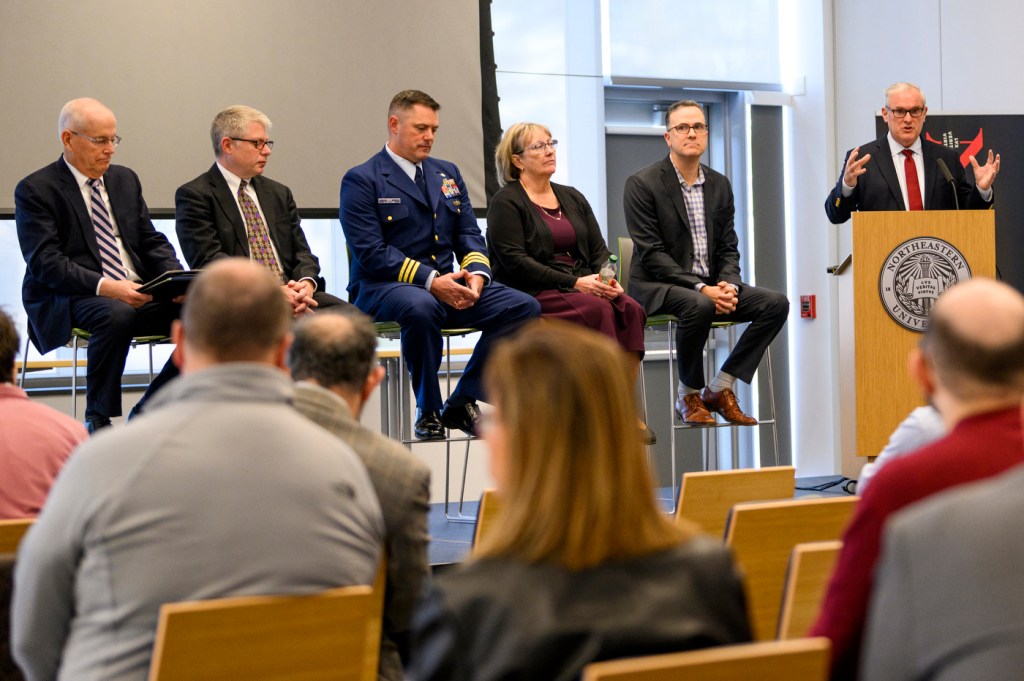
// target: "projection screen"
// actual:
[[324, 72]]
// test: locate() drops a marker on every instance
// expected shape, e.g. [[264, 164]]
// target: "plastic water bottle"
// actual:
[[610, 269]]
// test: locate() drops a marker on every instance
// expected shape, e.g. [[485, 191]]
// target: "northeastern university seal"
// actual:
[[914, 275]]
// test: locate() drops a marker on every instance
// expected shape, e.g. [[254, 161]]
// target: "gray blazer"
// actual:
[[403, 486], [948, 602]]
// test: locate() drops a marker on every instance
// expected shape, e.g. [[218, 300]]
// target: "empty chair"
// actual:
[[11, 532], [762, 535], [706, 498], [332, 635], [810, 568], [803, 659]]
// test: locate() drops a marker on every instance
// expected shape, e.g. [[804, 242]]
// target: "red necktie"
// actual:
[[913, 186]]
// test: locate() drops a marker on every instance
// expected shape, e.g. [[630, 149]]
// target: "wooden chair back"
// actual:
[[12, 532], [706, 498], [762, 535], [810, 568], [333, 635], [803, 659], [490, 507]]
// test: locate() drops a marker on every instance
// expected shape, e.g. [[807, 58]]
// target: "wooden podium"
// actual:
[[902, 260]]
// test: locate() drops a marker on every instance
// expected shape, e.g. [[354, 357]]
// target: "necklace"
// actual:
[[556, 213]]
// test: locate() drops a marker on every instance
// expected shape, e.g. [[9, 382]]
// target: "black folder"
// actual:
[[170, 284]]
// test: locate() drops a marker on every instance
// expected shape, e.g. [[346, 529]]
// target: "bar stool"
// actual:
[[80, 339], [669, 322], [396, 418]]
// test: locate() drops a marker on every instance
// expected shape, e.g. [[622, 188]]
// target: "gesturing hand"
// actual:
[[985, 175], [855, 167]]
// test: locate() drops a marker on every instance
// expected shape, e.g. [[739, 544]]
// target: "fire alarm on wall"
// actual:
[[807, 307]]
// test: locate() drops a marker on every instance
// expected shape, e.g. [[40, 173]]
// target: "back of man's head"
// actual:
[[235, 312], [9, 342], [975, 341], [336, 350]]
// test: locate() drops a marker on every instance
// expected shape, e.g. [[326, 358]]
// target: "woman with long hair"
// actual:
[[581, 564]]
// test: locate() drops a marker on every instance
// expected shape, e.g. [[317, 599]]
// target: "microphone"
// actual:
[[944, 169]]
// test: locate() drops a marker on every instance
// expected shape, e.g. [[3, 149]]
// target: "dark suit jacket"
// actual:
[[396, 237], [210, 226], [58, 242], [879, 187], [520, 244], [663, 245]]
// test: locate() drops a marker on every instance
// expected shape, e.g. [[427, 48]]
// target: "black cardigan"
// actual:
[[520, 246]]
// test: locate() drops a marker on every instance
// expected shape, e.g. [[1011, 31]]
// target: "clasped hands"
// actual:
[[725, 296], [592, 285], [459, 289], [300, 296]]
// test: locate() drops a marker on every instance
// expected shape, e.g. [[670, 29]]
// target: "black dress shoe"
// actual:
[[464, 417], [428, 426], [97, 423]]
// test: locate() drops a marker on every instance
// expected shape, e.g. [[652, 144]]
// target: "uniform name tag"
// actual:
[[379, 201]]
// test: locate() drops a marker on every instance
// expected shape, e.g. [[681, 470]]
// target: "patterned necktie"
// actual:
[[422, 184], [110, 254], [913, 186], [260, 248]]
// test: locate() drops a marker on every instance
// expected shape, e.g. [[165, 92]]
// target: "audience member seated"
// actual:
[[220, 489], [948, 601], [581, 565], [35, 440], [543, 239], [970, 365], [334, 361], [233, 210], [418, 259], [922, 426], [89, 245]]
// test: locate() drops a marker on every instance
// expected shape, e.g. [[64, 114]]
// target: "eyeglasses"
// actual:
[[916, 112], [99, 141], [541, 146], [684, 129], [259, 144]]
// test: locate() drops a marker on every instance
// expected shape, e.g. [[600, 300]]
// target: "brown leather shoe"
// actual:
[[724, 402], [692, 410]]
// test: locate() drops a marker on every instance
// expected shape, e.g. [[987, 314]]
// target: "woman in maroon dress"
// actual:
[[543, 239]]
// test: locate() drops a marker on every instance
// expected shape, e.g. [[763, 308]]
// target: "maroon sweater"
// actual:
[[980, 446]]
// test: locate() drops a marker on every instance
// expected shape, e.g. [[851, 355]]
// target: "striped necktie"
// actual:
[[260, 248], [110, 254]]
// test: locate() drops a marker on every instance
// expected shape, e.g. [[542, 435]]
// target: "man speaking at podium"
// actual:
[[903, 172]]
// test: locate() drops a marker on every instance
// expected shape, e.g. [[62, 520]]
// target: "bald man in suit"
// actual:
[[89, 244]]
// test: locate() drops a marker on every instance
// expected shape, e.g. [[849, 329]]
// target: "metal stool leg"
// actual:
[[643, 405], [771, 404], [74, 377], [24, 363]]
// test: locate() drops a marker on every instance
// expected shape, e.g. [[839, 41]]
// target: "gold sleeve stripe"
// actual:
[[475, 257], [408, 272]]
